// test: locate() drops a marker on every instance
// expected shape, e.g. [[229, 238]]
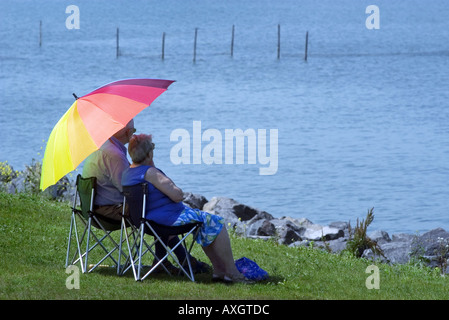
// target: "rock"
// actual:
[[334, 246], [240, 217], [236, 215], [287, 231], [261, 227], [16, 185], [260, 216], [379, 236], [227, 206], [339, 225], [317, 232], [300, 243], [215, 206], [403, 237], [63, 190], [194, 201], [301, 222], [395, 252], [337, 245], [432, 246]]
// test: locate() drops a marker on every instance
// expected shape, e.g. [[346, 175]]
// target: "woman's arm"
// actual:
[[164, 184]]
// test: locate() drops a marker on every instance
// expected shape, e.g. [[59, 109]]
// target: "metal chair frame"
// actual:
[[143, 226], [89, 219]]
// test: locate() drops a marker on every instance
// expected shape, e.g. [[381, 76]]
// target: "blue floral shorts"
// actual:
[[212, 224]]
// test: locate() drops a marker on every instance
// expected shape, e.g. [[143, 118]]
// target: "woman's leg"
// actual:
[[220, 254], [217, 249]]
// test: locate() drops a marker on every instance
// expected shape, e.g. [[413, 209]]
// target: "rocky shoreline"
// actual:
[[430, 248]]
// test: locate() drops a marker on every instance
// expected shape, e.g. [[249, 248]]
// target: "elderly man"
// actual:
[[107, 165]]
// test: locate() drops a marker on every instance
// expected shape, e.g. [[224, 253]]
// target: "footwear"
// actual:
[[171, 268], [197, 266], [200, 267], [229, 279]]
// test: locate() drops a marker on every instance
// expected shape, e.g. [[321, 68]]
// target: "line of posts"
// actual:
[[195, 42]]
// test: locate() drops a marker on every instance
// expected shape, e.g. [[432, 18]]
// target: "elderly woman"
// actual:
[[165, 207]]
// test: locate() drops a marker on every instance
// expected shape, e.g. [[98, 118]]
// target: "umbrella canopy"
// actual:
[[91, 120]]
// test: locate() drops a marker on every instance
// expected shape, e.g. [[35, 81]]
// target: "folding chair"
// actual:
[[135, 197], [96, 232]]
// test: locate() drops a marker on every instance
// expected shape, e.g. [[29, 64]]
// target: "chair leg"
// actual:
[[78, 246], [170, 252], [139, 267], [120, 248], [87, 243], [69, 242]]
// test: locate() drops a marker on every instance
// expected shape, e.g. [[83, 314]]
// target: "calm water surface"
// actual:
[[363, 123]]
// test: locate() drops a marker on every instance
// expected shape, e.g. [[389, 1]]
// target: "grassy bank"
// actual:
[[33, 235]]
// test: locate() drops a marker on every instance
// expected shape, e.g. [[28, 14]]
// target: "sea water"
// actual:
[[362, 123]]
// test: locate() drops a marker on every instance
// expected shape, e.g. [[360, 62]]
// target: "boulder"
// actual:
[[261, 228], [236, 215], [227, 206], [432, 242], [194, 201], [379, 236], [394, 252], [287, 231], [317, 232], [403, 237], [301, 222]]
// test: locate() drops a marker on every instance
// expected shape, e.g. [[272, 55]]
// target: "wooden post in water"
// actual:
[[117, 44], [279, 41], [163, 45], [307, 45], [40, 33], [232, 42], [194, 45]]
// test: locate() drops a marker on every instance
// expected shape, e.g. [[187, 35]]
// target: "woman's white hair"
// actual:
[[139, 146]]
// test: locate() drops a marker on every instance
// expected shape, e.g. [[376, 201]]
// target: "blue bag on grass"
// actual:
[[250, 269]]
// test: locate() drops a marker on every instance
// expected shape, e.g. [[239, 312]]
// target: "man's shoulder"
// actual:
[[110, 148]]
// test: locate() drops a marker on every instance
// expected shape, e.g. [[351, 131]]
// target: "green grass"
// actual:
[[33, 240]]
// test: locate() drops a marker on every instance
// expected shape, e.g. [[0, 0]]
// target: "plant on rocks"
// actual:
[[359, 241]]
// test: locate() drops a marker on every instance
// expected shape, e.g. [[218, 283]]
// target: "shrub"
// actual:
[[359, 241]]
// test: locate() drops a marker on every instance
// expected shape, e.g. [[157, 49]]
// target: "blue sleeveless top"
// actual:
[[159, 207]]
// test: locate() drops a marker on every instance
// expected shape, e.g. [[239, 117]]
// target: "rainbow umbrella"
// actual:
[[91, 120]]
